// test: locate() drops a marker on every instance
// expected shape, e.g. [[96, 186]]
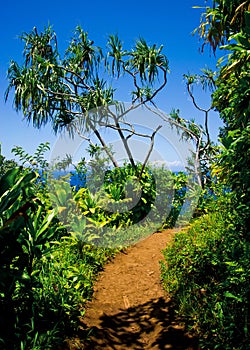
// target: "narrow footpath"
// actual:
[[130, 309]]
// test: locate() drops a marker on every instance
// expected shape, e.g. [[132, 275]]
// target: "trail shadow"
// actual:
[[152, 325]]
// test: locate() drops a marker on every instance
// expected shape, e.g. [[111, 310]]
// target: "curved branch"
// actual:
[[150, 150], [103, 143], [161, 87], [134, 80], [206, 111], [194, 101], [175, 123]]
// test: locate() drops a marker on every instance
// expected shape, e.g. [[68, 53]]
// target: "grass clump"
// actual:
[[207, 272]]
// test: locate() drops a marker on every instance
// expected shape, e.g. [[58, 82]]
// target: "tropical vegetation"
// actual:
[[207, 266], [56, 236]]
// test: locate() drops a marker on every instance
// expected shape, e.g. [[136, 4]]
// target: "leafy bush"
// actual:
[[64, 284], [45, 279], [47, 267], [26, 228], [207, 268], [123, 188], [207, 272]]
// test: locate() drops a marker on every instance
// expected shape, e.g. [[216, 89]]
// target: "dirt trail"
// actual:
[[129, 309]]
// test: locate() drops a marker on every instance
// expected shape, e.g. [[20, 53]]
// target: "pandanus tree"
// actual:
[[59, 90], [63, 90]]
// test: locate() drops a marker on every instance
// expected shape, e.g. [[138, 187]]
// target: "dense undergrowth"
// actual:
[[206, 271], [207, 268], [46, 274], [48, 265], [52, 244]]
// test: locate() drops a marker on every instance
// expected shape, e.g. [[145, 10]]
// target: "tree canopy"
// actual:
[[55, 89], [59, 90]]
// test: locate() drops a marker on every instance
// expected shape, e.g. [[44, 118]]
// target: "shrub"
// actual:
[[45, 278], [207, 272]]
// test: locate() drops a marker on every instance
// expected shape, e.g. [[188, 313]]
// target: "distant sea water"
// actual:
[[74, 179], [77, 181]]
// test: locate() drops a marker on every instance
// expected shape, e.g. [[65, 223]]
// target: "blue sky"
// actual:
[[163, 22]]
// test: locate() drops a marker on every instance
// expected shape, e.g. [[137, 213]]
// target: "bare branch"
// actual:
[[131, 131], [150, 150], [175, 123], [161, 87], [81, 135], [194, 101], [205, 111], [133, 75], [106, 149]]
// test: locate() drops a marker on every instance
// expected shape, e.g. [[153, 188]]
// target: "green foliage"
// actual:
[[228, 22], [15, 201], [35, 162], [6, 164], [146, 60], [125, 199], [69, 282], [26, 228], [220, 21], [179, 186], [53, 89], [113, 201], [45, 278], [231, 99], [65, 283], [206, 270], [123, 184], [64, 90]]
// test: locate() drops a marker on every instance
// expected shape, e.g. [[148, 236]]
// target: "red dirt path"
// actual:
[[130, 309]]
